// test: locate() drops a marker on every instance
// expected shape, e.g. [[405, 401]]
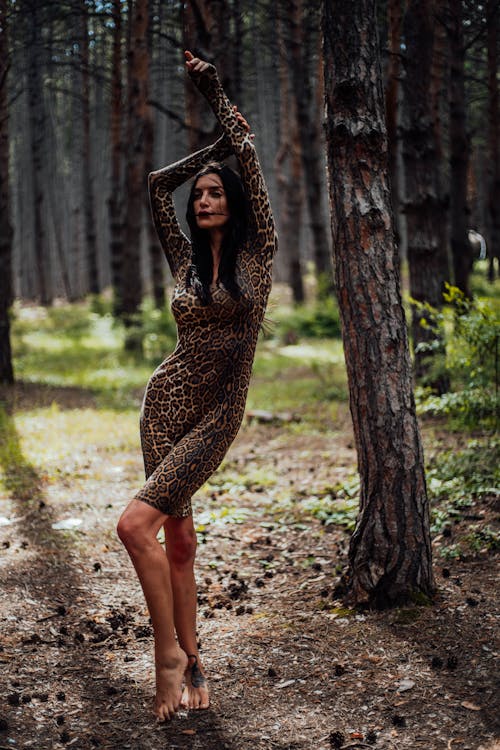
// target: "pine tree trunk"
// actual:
[[115, 200], [288, 166], [156, 257], [309, 121], [493, 137], [87, 191], [6, 369], [390, 550], [459, 152], [31, 13], [427, 257], [135, 168]]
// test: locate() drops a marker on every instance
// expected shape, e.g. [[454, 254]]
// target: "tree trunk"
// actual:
[[493, 137], [36, 107], [288, 166], [6, 369], [115, 200], [87, 190], [427, 258], [135, 168], [394, 19], [459, 152], [390, 550], [309, 121], [156, 257]]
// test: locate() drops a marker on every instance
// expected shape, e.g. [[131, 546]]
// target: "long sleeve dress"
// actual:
[[195, 400]]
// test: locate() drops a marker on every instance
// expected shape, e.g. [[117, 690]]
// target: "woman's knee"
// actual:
[[135, 528]]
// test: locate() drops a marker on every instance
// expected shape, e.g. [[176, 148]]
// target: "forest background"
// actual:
[[93, 96]]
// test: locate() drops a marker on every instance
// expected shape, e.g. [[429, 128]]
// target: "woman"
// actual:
[[195, 399]]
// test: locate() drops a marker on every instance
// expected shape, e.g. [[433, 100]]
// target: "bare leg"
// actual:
[[137, 529], [181, 550]]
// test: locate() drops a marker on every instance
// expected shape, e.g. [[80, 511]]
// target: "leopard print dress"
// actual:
[[195, 400]]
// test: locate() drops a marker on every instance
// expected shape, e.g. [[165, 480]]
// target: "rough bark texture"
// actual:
[[424, 208], [493, 137], [309, 121], [88, 193], [135, 169], [390, 551], [6, 369], [459, 151], [288, 165]]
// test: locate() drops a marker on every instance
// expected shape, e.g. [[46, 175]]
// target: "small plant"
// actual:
[[470, 330]]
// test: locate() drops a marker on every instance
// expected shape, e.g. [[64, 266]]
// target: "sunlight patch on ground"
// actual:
[[51, 436]]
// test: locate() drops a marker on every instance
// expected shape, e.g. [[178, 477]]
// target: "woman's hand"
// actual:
[[195, 65]]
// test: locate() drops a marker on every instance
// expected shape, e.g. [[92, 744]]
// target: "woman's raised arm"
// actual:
[[204, 75]]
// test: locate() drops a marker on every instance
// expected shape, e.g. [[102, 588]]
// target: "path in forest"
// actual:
[[289, 668]]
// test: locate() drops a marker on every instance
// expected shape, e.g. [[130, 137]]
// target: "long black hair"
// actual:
[[200, 273]]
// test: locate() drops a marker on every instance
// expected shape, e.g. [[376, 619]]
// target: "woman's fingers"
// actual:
[[194, 64]]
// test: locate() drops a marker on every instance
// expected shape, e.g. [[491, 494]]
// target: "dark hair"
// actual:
[[199, 275]]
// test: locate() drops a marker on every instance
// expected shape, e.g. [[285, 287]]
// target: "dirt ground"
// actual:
[[289, 667]]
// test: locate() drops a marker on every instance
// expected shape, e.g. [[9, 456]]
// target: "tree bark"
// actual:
[[6, 294], [135, 168], [309, 119], [288, 166], [424, 208], [390, 550], [87, 189], [493, 137], [459, 151]]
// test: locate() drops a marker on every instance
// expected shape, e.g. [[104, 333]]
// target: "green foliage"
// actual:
[[470, 330], [321, 320], [456, 481]]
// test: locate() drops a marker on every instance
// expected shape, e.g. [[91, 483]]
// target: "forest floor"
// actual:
[[290, 668]]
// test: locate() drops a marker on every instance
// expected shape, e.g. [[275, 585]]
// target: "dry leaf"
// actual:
[[470, 706]]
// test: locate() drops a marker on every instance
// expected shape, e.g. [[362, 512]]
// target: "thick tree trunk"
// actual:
[[288, 166], [427, 257], [309, 122], [115, 200], [390, 551], [459, 152], [87, 189], [37, 129], [6, 369], [135, 169], [493, 137], [394, 19]]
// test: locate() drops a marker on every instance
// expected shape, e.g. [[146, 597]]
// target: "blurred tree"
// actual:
[[424, 207], [493, 11], [6, 369], [390, 550], [135, 168]]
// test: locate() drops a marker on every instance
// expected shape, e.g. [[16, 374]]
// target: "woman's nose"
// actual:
[[203, 199]]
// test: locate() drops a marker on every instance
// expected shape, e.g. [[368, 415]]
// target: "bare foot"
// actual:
[[195, 694], [169, 675]]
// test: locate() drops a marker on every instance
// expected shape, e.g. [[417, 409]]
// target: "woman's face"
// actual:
[[210, 202]]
